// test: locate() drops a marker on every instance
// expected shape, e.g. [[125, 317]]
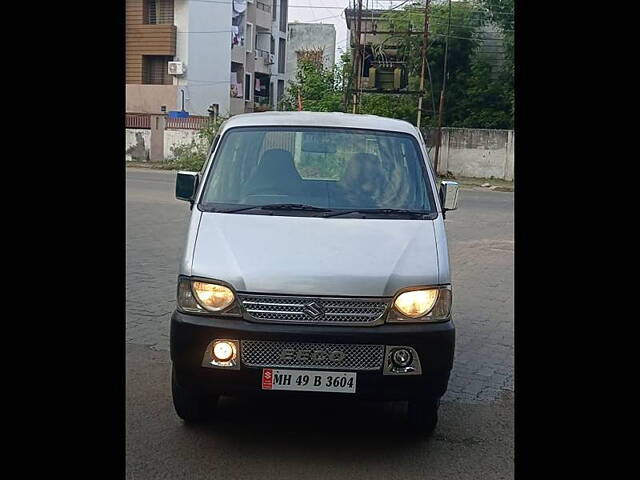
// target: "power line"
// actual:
[[204, 31], [425, 45], [320, 19], [312, 11], [221, 2], [462, 25], [442, 92]]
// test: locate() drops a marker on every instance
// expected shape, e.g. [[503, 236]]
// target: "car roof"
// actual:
[[320, 119]]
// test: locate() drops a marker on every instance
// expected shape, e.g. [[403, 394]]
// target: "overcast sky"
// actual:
[[304, 11]]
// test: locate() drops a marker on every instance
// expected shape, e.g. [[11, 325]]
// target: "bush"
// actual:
[[191, 156]]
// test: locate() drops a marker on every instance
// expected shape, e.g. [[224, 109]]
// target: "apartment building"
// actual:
[[225, 55], [311, 41]]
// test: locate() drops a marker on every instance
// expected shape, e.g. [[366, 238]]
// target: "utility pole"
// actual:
[[356, 59], [441, 106], [425, 39]]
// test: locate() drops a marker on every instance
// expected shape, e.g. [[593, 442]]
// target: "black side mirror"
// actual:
[[186, 185]]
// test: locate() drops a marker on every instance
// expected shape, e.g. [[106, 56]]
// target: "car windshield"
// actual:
[[328, 168]]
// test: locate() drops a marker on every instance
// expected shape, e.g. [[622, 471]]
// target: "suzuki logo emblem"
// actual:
[[313, 310]]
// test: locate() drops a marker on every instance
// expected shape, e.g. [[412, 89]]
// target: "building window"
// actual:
[[158, 12], [248, 87], [281, 54], [273, 10], [283, 16], [155, 70], [249, 37]]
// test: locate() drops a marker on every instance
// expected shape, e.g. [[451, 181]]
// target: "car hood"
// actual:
[[315, 256]]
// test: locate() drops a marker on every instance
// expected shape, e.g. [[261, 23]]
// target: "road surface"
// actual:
[[474, 437]]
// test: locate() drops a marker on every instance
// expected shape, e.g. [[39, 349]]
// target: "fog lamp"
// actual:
[[223, 351], [402, 357]]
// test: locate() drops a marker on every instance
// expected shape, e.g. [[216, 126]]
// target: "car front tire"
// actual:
[[192, 407], [422, 414]]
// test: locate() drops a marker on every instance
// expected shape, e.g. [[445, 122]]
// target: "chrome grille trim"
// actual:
[[263, 353], [349, 311]]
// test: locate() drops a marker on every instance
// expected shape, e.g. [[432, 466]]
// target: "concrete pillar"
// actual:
[[443, 154], [156, 141], [509, 161]]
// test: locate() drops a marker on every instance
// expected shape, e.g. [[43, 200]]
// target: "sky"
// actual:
[[317, 11]]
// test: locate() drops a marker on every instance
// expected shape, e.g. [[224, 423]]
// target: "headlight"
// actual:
[[423, 305], [416, 303], [211, 296], [201, 297]]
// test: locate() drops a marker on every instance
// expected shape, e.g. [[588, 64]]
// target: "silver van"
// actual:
[[315, 264]]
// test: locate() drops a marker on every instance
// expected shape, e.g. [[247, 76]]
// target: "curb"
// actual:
[[480, 188], [148, 166]]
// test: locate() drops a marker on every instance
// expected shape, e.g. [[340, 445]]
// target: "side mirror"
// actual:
[[449, 195], [186, 185]]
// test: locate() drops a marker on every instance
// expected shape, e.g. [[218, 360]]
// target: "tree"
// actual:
[[477, 96], [484, 104], [500, 12], [320, 88], [403, 107], [463, 40]]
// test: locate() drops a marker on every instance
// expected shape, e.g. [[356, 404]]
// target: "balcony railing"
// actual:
[[262, 53], [263, 6]]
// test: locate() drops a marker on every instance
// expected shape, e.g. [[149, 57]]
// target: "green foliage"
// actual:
[[476, 96], [403, 107], [319, 88], [191, 156], [501, 12], [486, 103], [465, 17]]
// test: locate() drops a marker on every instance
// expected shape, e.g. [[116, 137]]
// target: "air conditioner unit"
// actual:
[[271, 59], [177, 68]]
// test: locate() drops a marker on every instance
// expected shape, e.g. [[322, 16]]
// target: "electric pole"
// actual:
[[356, 59], [425, 39], [441, 106]]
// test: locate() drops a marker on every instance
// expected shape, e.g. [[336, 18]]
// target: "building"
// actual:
[[230, 55], [384, 68], [381, 49], [310, 40]]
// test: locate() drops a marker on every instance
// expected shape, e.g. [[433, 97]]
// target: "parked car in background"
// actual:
[[316, 263]]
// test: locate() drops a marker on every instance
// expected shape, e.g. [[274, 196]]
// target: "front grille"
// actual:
[[315, 310], [258, 353]]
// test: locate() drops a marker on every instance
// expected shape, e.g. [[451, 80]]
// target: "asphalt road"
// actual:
[[474, 437]]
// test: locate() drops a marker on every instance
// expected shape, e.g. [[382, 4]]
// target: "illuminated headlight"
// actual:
[[198, 296], [211, 296], [421, 305]]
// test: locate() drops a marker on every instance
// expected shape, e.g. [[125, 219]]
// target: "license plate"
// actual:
[[308, 380]]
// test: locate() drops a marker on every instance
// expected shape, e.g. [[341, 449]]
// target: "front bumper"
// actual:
[[191, 334]]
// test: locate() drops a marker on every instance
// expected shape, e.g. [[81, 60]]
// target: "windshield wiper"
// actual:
[[279, 206], [399, 211]]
